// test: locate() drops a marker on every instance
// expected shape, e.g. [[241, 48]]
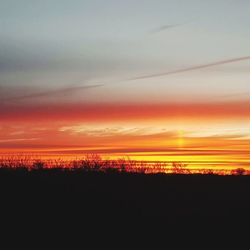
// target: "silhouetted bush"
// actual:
[[91, 162], [180, 168], [238, 171], [208, 172], [38, 165]]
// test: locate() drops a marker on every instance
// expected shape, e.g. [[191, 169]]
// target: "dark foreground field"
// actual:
[[80, 195]]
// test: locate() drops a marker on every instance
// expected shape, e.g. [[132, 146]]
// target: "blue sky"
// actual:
[[51, 44]]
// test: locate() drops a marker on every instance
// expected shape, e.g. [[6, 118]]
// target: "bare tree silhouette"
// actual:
[[180, 168]]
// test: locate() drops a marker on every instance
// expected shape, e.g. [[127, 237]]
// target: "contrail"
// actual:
[[164, 27], [167, 27], [54, 92], [203, 66]]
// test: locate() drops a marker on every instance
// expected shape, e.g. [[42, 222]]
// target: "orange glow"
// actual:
[[211, 135], [125, 112]]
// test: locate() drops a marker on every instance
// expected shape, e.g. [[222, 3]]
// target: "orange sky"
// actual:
[[202, 134], [116, 112]]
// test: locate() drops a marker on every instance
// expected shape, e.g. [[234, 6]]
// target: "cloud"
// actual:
[[104, 131], [242, 94], [166, 27], [202, 66], [163, 27], [122, 112], [18, 140], [51, 93]]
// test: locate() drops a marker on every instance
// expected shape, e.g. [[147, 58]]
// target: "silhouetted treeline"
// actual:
[[94, 163]]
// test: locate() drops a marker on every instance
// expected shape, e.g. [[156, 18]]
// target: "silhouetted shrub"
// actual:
[[141, 167], [180, 168], [238, 171], [91, 162], [38, 165], [208, 172], [160, 167]]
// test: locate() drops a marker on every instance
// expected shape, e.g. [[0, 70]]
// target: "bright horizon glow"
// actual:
[[213, 141]]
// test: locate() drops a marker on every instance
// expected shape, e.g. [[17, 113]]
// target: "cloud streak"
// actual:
[[197, 67], [63, 91], [242, 94], [166, 27], [127, 112]]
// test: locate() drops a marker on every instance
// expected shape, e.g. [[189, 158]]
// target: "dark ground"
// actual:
[[82, 194], [71, 207]]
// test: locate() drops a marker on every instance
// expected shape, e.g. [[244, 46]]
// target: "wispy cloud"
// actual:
[[49, 93], [166, 27], [242, 94], [100, 112], [193, 68], [113, 130], [18, 140]]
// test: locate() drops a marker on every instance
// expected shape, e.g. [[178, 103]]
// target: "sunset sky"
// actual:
[[154, 79]]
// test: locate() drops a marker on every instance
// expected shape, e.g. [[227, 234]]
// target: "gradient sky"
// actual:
[[158, 79]]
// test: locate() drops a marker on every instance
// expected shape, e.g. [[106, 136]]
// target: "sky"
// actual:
[[152, 79]]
